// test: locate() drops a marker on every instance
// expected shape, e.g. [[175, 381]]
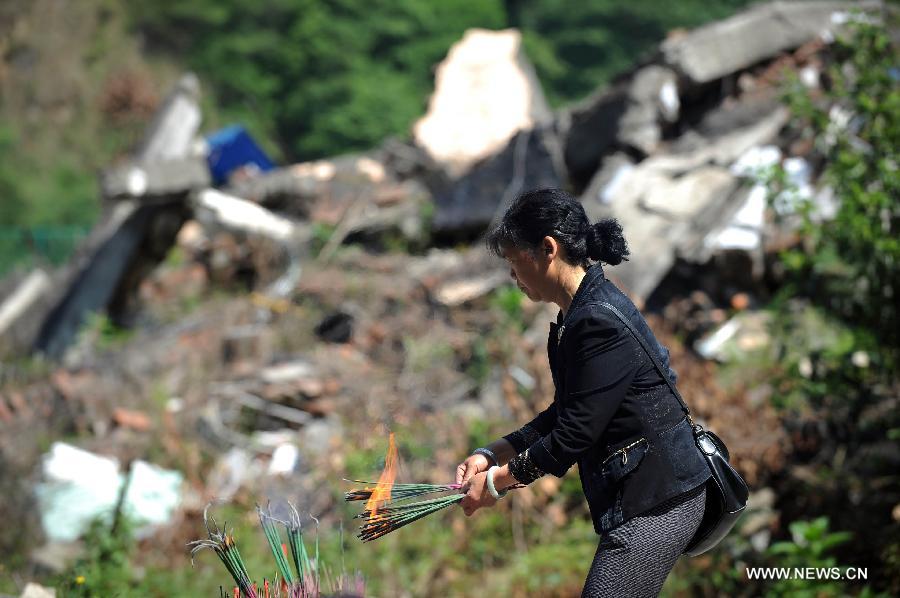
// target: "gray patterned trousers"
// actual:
[[635, 558]]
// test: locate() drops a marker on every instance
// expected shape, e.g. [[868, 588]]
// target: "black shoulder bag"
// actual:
[[726, 491]]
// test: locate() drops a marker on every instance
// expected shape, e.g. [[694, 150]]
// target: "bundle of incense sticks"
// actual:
[[397, 510], [396, 491]]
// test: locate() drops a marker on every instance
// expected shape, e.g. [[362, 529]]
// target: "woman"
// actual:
[[612, 413]]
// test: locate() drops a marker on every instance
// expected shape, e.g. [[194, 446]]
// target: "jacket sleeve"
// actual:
[[530, 432], [601, 363]]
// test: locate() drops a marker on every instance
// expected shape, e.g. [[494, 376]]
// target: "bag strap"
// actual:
[[652, 354]]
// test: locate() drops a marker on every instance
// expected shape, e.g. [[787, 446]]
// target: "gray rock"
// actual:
[[605, 185], [759, 33], [590, 128], [532, 159], [683, 197], [658, 233], [652, 99]]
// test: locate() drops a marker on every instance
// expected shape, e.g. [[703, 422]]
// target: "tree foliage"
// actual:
[[322, 78]]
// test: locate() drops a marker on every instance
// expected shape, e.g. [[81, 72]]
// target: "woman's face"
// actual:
[[530, 272]]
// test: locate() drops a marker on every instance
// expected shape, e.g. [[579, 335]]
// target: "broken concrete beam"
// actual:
[[486, 91], [725, 148], [218, 210], [18, 312], [175, 125], [155, 178], [759, 33], [685, 196], [131, 239], [652, 101], [589, 129]]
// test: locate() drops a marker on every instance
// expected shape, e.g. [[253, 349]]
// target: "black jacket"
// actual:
[[612, 413]]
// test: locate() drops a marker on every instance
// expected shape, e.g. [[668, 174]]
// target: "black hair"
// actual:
[[541, 213]]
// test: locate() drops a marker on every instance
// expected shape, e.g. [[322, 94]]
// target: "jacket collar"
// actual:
[[593, 276]]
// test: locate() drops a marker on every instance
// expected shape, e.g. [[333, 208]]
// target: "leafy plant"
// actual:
[[848, 263], [810, 546], [105, 569]]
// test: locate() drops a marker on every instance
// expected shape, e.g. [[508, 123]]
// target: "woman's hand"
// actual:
[[477, 494], [472, 465]]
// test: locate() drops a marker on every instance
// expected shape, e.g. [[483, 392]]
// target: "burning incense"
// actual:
[[394, 516], [382, 490], [398, 491], [388, 506]]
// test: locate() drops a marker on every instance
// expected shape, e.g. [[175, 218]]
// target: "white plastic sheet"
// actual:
[[80, 486]]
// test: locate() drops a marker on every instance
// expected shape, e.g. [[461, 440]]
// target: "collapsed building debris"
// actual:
[[756, 34], [135, 233], [657, 150], [486, 91]]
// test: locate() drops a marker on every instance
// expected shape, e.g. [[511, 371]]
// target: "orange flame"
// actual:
[[382, 490]]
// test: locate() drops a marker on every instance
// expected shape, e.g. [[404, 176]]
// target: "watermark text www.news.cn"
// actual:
[[822, 573]]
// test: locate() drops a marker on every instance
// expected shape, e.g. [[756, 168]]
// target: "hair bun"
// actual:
[[606, 243]]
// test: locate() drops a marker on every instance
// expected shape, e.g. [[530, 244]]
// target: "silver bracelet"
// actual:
[[487, 453], [492, 489]]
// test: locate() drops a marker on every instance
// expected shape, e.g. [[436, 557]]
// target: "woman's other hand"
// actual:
[[477, 494], [474, 464]]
